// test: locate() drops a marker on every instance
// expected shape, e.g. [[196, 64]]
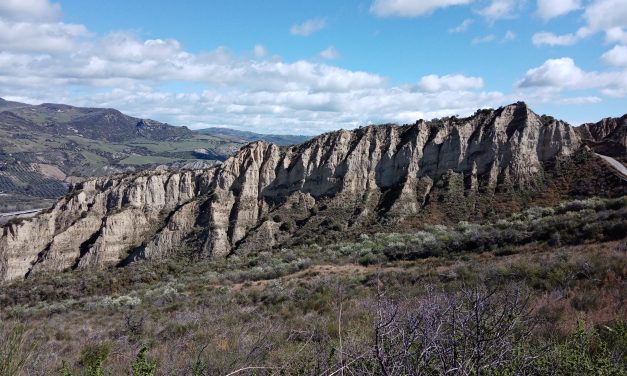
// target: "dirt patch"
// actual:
[[50, 171]]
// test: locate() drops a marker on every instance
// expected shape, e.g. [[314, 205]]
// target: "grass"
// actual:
[[281, 308], [138, 160], [94, 158]]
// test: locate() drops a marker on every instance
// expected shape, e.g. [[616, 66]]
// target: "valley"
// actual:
[[46, 148]]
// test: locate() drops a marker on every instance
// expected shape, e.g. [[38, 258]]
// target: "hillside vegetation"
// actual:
[[43, 148], [539, 293]]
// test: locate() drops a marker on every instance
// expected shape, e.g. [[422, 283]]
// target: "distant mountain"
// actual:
[[246, 136], [7, 105], [44, 147], [105, 124]]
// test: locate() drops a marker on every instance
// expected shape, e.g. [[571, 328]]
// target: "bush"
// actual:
[[16, 349], [93, 358], [583, 353], [143, 366]]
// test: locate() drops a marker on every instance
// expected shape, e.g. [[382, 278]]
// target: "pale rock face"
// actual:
[[607, 137], [115, 220], [96, 225]]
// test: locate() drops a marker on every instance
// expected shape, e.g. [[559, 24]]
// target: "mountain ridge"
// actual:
[[339, 182], [45, 147]]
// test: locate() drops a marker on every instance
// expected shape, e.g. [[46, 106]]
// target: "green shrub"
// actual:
[[583, 353], [93, 358], [143, 366]]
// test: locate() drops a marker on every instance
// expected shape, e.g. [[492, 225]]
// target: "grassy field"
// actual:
[[139, 160], [549, 281]]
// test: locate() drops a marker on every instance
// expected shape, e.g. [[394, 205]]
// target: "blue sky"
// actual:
[[309, 67]]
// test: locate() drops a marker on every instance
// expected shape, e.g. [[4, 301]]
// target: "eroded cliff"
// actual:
[[266, 195]]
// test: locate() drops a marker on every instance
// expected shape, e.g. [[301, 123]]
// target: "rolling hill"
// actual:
[[44, 148]]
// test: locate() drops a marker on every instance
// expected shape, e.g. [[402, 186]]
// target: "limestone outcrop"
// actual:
[[264, 194], [607, 137]]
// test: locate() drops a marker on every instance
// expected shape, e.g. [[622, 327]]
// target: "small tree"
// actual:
[[474, 331]]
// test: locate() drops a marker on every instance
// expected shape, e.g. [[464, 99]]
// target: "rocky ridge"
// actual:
[[607, 137], [266, 195]]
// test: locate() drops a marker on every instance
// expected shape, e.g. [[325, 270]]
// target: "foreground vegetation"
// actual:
[[541, 293]]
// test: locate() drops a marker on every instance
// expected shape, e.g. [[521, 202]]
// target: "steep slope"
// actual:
[[607, 137], [374, 178]]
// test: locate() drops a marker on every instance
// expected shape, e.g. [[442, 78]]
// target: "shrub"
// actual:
[[143, 366], [286, 226], [583, 353], [16, 349], [93, 358]]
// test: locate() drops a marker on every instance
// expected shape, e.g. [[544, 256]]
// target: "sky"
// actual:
[[307, 67]]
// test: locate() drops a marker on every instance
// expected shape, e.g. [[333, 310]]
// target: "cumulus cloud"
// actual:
[[603, 15], [308, 27], [555, 73], [462, 27], [580, 100], [550, 39], [260, 51], [499, 9], [411, 8], [296, 111], [483, 39], [66, 63], [455, 82], [608, 16], [616, 56], [329, 53], [548, 9], [563, 73], [44, 37], [123, 71], [616, 34], [29, 10]]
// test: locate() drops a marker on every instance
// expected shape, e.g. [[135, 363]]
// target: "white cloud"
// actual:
[[560, 74], [260, 51], [483, 39], [616, 56], [124, 71], [580, 100], [551, 39], [411, 8], [555, 73], [509, 36], [603, 15], [608, 16], [548, 9], [295, 111], [462, 27], [308, 27], [499, 9], [329, 53], [616, 34], [267, 95], [42, 37], [29, 10], [456, 82]]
